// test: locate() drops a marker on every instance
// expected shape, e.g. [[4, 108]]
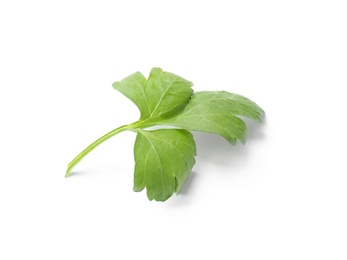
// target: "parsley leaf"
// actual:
[[163, 161], [161, 93], [164, 158], [217, 112]]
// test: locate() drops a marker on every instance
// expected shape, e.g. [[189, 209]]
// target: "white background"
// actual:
[[281, 196]]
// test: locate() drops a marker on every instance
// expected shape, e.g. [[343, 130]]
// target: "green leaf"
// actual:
[[217, 112], [163, 161], [160, 94], [164, 158], [133, 87]]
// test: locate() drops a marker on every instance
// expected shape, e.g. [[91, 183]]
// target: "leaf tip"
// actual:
[[68, 170], [243, 140], [262, 116], [115, 84]]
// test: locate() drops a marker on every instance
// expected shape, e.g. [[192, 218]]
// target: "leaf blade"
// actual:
[[133, 87], [167, 91], [217, 112], [161, 93], [163, 161]]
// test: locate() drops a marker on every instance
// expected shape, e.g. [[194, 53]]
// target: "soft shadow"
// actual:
[[182, 199], [188, 185], [80, 173], [215, 149], [255, 130]]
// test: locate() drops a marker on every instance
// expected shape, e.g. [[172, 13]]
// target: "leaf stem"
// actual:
[[91, 147]]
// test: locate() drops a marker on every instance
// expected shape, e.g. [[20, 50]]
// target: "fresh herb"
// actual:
[[165, 155]]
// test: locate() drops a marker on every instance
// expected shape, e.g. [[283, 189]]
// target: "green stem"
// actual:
[[91, 147]]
